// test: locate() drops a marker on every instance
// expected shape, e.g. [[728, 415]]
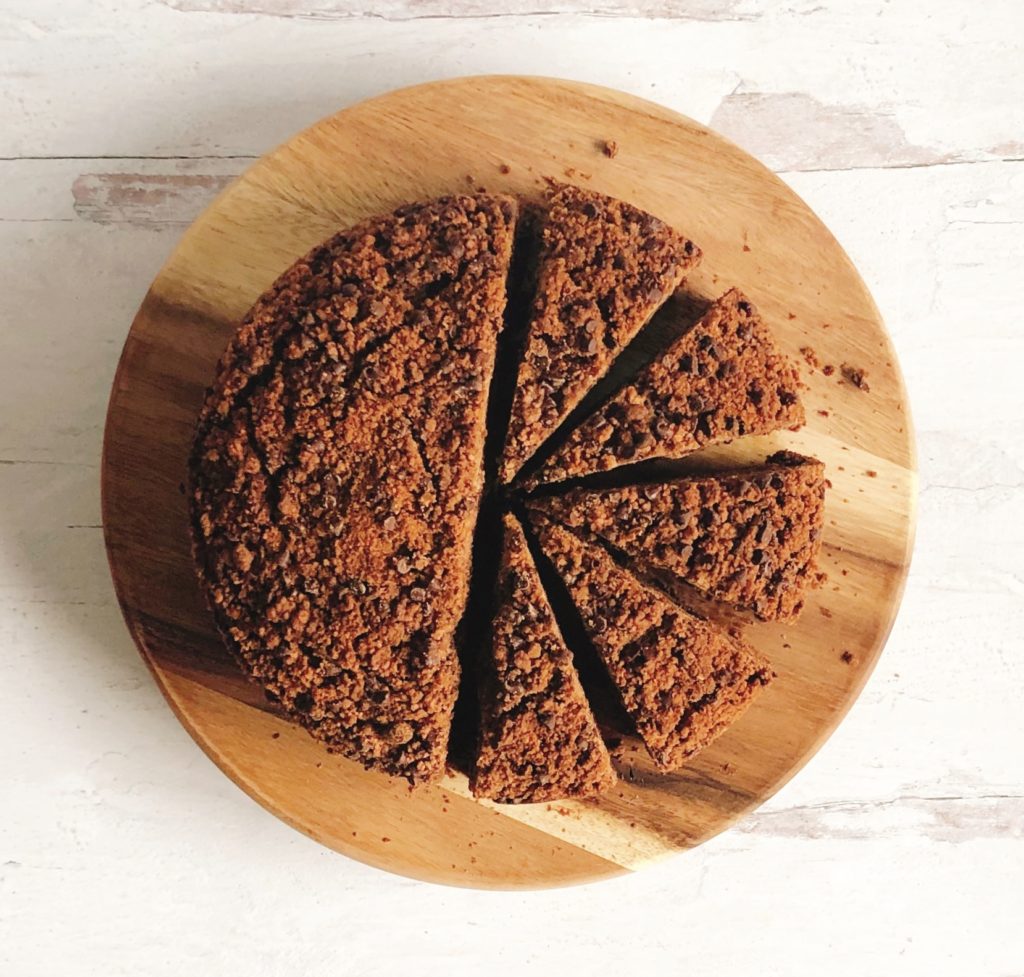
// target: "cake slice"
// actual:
[[682, 680], [337, 471], [721, 379], [603, 268], [539, 740], [750, 537]]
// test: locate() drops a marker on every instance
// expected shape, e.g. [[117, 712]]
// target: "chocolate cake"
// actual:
[[750, 537], [721, 379], [539, 740], [603, 268], [337, 471], [682, 680]]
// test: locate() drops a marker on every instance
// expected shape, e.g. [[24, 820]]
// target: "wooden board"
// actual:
[[510, 133]]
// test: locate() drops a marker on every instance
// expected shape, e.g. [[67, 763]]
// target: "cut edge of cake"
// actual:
[[723, 378], [604, 268], [749, 537], [539, 740], [682, 680]]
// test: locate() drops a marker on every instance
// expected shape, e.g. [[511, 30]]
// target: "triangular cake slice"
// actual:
[[603, 268], [682, 680], [750, 537], [337, 471], [538, 740], [722, 378]]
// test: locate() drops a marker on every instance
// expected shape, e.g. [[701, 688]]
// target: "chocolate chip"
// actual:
[[663, 429]]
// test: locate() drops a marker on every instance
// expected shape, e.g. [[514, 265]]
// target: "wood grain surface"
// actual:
[[507, 133]]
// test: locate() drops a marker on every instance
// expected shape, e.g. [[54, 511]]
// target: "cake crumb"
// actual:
[[275, 736], [611, 148], [823, 413], [825, 612], [728, 767], [570, 171], [856, 376], [385, 839], [470, 178], [871, 473], [504, 168], [790, 315], [810, 356], [848, 657], [746, 247], [828, 369]]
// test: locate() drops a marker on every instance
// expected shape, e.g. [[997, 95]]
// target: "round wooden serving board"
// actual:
[[509, 133]]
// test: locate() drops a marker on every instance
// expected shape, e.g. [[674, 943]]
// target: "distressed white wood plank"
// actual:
[[807, 86], [709, 10]]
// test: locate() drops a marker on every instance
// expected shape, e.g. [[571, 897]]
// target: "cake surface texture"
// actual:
[[749, 537], [682, 680], [723, 378], [603, 269], [337, 471], [539, 740]]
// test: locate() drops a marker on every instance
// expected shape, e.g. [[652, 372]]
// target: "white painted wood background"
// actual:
[[899, 850]]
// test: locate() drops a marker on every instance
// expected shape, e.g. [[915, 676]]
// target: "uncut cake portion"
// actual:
[[538, 739], [682, 680], [750, 537], [603, 268], [722, 378], [337, 470]]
